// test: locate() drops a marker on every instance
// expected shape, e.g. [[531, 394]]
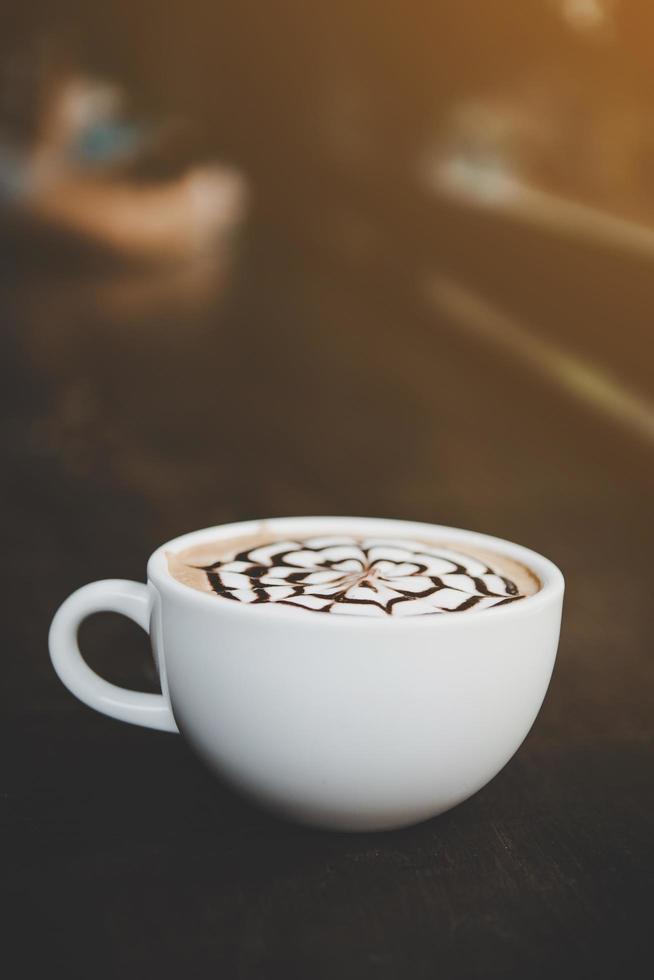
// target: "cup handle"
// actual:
[[133, 600]]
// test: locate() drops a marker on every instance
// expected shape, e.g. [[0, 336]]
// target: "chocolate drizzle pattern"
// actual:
[[369, 576]]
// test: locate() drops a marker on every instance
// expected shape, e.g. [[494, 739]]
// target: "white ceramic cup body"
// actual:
[[351, 723]]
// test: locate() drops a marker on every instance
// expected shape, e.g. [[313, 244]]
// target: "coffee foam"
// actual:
[[369, 575]]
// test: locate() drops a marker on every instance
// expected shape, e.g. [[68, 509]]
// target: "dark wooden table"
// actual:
[[133, 412]]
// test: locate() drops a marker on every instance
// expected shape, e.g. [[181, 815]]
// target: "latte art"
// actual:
[[345, 575]]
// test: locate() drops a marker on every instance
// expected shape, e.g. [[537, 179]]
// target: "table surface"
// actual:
[[133, 413]]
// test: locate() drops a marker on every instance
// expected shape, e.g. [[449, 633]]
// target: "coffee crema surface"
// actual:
[[351, 575]]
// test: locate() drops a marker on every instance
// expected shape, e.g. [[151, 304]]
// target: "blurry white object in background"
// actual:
[[586, 381], [587, 15], [467, 178], [471, 183]]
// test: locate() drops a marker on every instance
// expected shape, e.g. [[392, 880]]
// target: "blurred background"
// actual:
[[277, 259], [357, 258]]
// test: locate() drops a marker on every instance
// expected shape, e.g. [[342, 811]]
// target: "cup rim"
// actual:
[[549, 575]]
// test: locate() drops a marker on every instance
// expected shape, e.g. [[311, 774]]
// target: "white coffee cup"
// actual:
[[346, 722]]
